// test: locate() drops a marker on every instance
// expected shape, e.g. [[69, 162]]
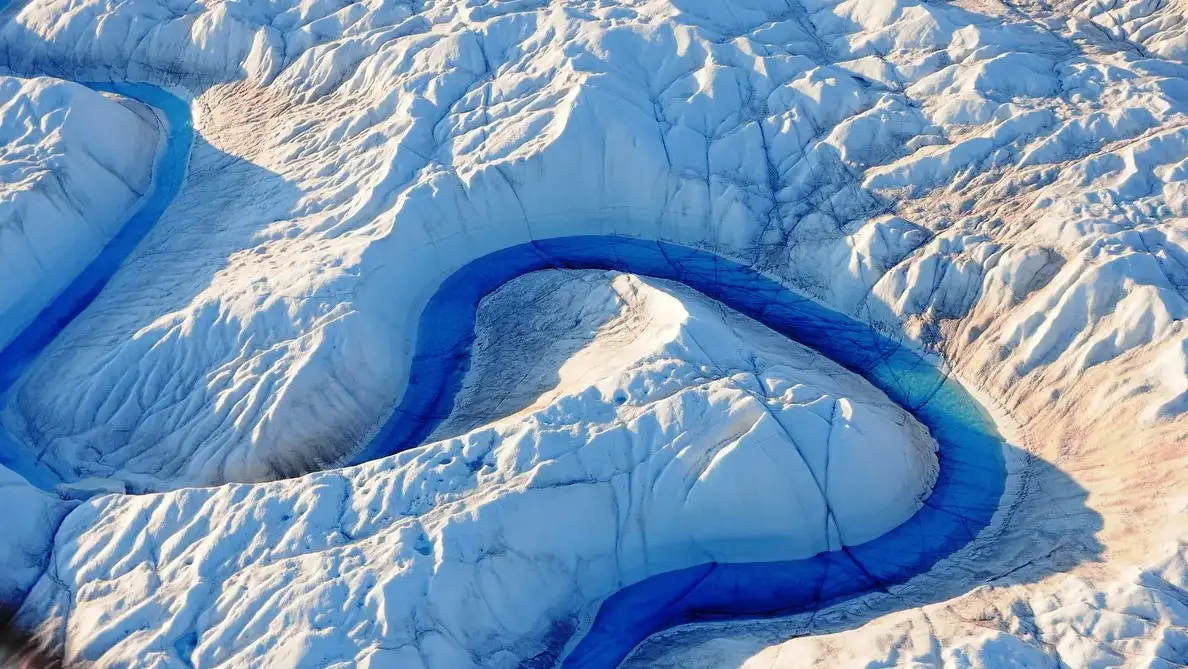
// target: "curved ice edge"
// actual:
[[168, 174], [965, 498], [972, 475]]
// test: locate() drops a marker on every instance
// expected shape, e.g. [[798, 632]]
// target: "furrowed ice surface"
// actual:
[[74, 165], [446, 332], [1002, 183], [869, 155], [671, 433], [88, 280], [972, 473], [1137, 619]]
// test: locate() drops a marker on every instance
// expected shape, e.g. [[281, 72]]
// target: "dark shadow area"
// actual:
[[155, 258], [19, 648]]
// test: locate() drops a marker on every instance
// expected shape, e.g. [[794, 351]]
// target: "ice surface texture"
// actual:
[[633, 470], [867, 154], [1003, 183], [85, 277], [972, 467], [31, 517], [75, 165], [869, 515]]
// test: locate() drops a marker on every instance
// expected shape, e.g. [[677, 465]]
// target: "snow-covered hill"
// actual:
[[1001, 183], [74, 164], [668, 434]]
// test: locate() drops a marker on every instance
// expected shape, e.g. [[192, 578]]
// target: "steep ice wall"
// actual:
[[674, 433], [74, 163], [31, 517]]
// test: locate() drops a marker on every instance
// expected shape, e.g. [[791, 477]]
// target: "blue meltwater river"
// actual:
[[972, 460]]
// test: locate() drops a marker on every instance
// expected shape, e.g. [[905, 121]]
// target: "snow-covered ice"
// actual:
[[666, 433], [31, 518], [74, 164], [787, 140], [1000, 184]]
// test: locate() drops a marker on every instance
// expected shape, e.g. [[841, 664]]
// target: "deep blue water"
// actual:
[[167, 179], [972, 463], [972, 474]]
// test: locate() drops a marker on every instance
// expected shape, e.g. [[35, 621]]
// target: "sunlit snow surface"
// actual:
[[1002, 185]]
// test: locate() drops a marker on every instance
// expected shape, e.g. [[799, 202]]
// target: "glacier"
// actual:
[[58, 308], [67, 189], [995, 187], [664, 477]]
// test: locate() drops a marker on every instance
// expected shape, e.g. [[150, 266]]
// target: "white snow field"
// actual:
[[73, 165], [1004, 185]]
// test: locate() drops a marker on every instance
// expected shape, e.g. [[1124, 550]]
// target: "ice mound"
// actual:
[[649, 429], [73, 166], [1003, 183]]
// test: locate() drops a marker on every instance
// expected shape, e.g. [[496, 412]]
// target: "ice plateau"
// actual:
[[1001, 185]]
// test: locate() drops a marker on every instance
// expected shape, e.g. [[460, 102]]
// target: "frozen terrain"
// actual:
[[66, 188], [664, 433], [32, 517], [1137, 619], [74, 164], [1001, 184]]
